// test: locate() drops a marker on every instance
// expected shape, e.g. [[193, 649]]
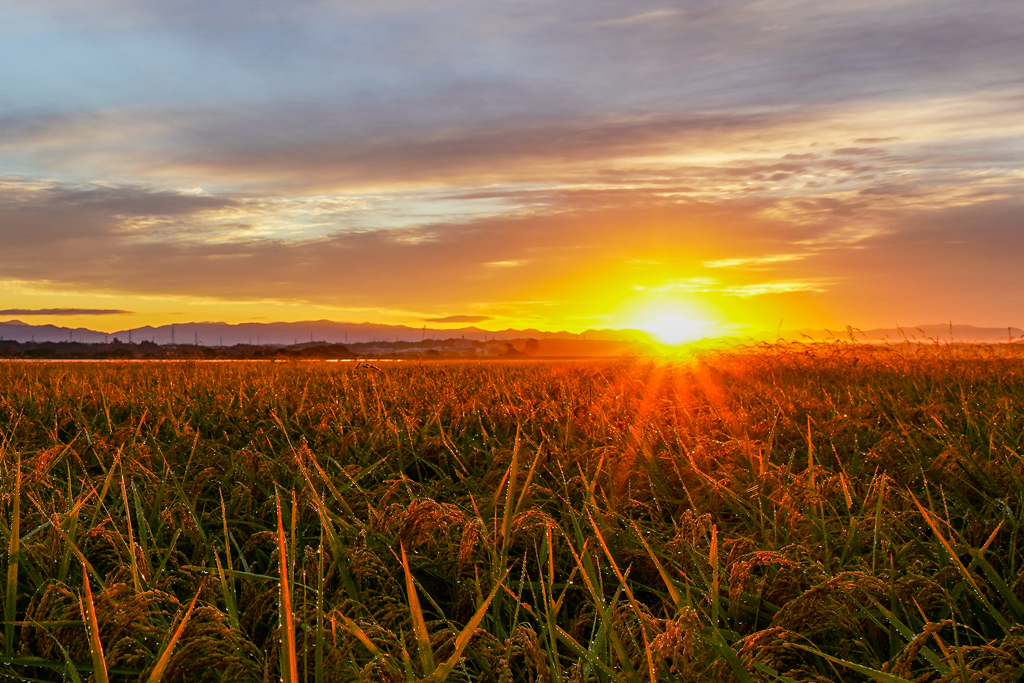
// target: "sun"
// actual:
[[673, 329]]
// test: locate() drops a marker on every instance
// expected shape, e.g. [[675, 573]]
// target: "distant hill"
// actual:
[[287, 334], [331, 332], [18, 331]]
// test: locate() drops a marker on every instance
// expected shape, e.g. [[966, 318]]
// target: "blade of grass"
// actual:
[[131, 538], [1003, 623], [713, 561], [227, 541], [354, 629], [290, 666], [92, 626], [86, 565], [584, 653], [589, 574], [11, 601], [419, 625], [165, 657], [70, 668], [506, 522], [227, 592], [873, 674], [462, 640], [993, 576], [529, 478], [629, 594], [677, 599], [908, 635], [318, 670]]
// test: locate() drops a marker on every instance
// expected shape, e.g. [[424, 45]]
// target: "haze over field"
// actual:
[[690, 168]]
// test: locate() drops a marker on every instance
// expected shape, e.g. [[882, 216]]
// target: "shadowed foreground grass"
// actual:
[[774, 514]]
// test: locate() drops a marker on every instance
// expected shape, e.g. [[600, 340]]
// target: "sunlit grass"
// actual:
[[776, 513]]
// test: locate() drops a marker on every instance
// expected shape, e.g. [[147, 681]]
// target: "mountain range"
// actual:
[[225, 334], [281, 333]]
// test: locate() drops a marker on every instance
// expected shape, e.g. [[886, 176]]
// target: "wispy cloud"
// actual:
[[641, 18], [762, 288], [703, 285], [754, 261], [64, 311], [459, 319]]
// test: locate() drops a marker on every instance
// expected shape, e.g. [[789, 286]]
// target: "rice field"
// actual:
[[778, 513]]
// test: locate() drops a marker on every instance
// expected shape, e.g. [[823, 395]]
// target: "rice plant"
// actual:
[[775, 513]]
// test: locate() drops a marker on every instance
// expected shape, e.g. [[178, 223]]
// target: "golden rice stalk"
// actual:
[[12, 565], [510, 476], [290, 667], [165, 657], [677, 599], [131, 538], [95, 646], [872, 674], [354, 629], [445, 669], [419, 625], [629, 594], [999, 618], [713, 560]]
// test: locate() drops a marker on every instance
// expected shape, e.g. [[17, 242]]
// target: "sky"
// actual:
[[740, 164]]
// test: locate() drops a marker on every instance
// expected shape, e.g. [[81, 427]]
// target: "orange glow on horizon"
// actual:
[[674, 329]]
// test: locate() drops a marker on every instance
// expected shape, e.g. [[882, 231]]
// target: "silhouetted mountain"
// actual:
[[328, 331], [287, 334], [23, 332]]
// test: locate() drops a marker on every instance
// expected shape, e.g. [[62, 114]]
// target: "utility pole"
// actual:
[[197, 339], [172, 334]]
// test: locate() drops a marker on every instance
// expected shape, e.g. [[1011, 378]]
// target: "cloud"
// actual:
[[431, 264], [40, 213], [402, 152], [642, 18], [705, 285], [459, 319], [762, 288], [858, 151], [574, 244], [64, 311], [753, 261]]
